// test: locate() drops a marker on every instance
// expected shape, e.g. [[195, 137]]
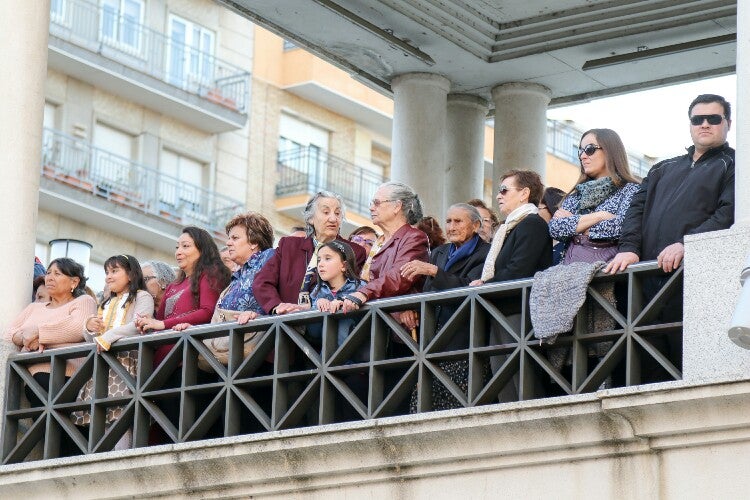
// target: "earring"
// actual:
[[71, 290]]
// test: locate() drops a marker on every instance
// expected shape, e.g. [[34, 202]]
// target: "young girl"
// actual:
[[127, 300], [337, 278]]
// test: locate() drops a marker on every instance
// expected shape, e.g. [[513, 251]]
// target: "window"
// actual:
[[191, 60], [111, 158], [50, 115], [181, 186], [57, 10], [303, 157], [121, 22]]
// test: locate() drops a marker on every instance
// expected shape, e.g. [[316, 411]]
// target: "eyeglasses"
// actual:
[[712, 119], [504, 189], [589, 149], [361, 240], [376, 203], [146, 279]]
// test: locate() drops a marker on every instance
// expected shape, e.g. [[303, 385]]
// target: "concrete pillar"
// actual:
[[418, 154], [520, 128], [464, 172], [741, 120], [25, 26]]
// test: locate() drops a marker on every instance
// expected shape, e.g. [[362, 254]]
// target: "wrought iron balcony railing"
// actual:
[[376, 372], [562, 141], [307, 170], [77, 163], [125, 40]]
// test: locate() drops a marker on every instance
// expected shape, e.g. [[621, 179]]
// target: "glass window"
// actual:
[[111, 158], [191, 55], [121, 22], [302, 155], [57, 10], [181, 186]]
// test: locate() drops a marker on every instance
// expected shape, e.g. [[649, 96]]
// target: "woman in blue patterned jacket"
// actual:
[[589, 220]]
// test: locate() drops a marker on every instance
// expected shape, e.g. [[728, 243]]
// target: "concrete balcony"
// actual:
[[147, 67], [119, 195]]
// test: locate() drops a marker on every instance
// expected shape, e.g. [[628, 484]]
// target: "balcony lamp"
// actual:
[[78, 250], [739, 328]]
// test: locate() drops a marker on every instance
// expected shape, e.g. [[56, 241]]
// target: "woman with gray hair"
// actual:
[[157, 275], [284, 283], [452, 265], [394, 209]]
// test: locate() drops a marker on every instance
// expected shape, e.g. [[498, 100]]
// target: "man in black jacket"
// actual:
[[688, 194]]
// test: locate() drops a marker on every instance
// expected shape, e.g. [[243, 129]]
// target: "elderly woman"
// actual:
[[157, 275], [590, 218], [56, 323], [452, 265], [394, 209], [284, 284]]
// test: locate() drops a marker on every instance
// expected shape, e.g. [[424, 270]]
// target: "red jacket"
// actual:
[[405, 245], [280, 278]]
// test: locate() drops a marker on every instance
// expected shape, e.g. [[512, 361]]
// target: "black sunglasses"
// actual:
[[589, 149], [712, 119]]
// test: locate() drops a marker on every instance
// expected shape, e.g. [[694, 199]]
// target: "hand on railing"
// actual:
[[621, 262]]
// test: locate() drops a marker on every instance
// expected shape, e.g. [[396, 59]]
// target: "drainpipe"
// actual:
[[739, 328]]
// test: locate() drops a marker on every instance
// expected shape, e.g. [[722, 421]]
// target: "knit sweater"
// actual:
[[57, 326]]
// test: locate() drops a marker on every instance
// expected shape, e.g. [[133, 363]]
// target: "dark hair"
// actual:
[[615, 157], [552, 197], [38, 281], [259, 230], [71, 269], [132, 267], [709, 98], [527, 179], [363, 230], [209, 262], [477, 203], [431, 227], [347, 256]]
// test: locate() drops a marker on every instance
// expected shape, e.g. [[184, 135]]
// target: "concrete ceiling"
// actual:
[[624, 45]]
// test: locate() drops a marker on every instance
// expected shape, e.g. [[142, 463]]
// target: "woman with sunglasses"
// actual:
[[589, 221]]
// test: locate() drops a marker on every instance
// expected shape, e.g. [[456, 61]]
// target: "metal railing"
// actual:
[[562, 141], [77, 163], [379, 370], [307, 170], [130, 43]]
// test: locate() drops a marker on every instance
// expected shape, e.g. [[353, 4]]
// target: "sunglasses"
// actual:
[[712, 119], [361, 240], [589, 149], [504, 189]]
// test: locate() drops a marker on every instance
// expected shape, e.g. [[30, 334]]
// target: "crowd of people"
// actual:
[[609, 216]]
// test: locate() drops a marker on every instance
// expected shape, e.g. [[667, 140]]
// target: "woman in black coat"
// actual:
[[452, 265]]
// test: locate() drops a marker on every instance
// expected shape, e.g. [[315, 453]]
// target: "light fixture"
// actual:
[[739, 328], [659, 51], [78, 250]]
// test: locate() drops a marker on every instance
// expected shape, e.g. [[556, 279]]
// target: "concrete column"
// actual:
[[741, 120], [520, 128], [25, 26], [464, 172], [418, 154]]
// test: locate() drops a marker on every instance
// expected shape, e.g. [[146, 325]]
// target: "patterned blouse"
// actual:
[[564, 228], [239, 296]]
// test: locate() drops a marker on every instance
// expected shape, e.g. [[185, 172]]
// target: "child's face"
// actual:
[[330, 264], [117, 279]]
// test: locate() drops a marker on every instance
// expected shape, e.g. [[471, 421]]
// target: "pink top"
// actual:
[[57, 326], [177, 306]]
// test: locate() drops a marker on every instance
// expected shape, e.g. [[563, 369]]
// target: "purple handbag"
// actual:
[[582, 249]]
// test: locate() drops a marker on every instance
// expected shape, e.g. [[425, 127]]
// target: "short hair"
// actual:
[[709, 98], [552, 197], [474, 214], [363, 230], [259, 231], [477, 203], [71, 269], [312, 205], [527, 179], [411, 207], [163, 272]]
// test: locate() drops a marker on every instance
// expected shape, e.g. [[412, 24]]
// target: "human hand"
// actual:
[[621, 261], [671, 257], [179, 327], [323, 305], [95, 324], [476, 283], [562, 213], [604, 215], [410, 319], [350, 305], [415, 268], [32, 344], [146, 325], [287, 307], [246, 316]]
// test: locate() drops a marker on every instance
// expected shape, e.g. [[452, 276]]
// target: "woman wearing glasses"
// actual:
[[589, 220]]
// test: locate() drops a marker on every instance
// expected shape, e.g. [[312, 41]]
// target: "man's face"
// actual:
[[706, 136]]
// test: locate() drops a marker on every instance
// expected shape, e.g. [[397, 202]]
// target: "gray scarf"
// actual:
[[593, 193]]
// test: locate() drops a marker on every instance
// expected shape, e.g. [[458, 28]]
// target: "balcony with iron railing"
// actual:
[[125, 183], [108, 49], [291, 379]]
